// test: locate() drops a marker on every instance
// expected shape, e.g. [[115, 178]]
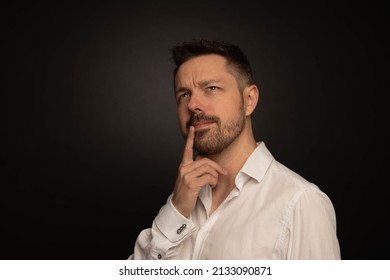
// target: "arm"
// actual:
[[172, 226], [313, 227], [164, 239]]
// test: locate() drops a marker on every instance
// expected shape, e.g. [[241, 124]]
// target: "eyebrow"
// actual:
[[200, 84], [181, 89]]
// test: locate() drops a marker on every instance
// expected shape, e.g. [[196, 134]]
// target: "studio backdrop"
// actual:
[[90, 140]]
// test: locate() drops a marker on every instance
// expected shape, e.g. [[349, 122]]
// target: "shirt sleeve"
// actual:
[[312, 230], [164, 239]]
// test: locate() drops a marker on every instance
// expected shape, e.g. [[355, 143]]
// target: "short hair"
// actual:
[[235, 57]]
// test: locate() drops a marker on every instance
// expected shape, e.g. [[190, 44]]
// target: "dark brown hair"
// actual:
[[235, 57]]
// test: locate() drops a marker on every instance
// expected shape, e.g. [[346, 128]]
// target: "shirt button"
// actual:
[[159, 256]]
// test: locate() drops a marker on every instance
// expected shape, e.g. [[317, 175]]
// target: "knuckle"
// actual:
[[191, 184], [182, 171], [213, 180], [187, 180]]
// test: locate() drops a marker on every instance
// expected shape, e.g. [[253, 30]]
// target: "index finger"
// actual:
[[188, 148]]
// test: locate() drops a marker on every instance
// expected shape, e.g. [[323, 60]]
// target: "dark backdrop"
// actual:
[[90, 143]]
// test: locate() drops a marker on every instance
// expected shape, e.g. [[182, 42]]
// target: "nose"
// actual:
[[195, 104]]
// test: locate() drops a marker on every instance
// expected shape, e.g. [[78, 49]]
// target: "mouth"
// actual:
[[200, 122], [202, 125]]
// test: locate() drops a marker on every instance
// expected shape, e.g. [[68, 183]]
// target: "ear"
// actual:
[[251, 97]]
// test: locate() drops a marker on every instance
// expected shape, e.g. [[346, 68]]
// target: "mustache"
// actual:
[[199, 118]]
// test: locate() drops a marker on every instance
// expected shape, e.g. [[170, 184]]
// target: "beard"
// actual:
[[214, 140]]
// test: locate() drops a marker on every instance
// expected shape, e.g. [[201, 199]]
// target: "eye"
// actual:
[[212, 88], [182, 96]]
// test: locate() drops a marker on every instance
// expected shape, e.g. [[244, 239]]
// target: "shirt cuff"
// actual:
[[173, 225]]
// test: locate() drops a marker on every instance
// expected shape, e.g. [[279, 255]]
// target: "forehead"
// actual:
[[203, 67]]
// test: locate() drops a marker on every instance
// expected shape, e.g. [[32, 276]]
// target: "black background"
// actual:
[[90, 142]]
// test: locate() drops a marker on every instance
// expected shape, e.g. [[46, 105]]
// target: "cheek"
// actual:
[[183, 118], [229, 109]]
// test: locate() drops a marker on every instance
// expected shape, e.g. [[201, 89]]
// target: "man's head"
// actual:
[[214, 93]]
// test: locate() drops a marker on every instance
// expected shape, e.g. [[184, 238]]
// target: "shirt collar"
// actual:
[[255, 166]]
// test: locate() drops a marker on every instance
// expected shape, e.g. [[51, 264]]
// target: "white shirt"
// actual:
[[272, 213]]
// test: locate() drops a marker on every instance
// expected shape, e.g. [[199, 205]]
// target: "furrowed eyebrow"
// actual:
[[200, 84], [207, 82], [181, 89]]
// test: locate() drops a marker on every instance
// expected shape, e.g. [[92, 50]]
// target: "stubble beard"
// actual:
[[214, 140]]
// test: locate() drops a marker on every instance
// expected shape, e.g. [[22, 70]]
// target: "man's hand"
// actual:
[[193, 176]]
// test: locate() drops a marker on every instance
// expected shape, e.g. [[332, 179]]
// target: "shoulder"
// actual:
[[274, 180], [283, 177]]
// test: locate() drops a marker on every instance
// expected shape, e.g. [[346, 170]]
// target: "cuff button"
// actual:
[[180, 229]]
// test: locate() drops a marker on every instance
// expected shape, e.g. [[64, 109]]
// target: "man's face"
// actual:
[[209, 99]]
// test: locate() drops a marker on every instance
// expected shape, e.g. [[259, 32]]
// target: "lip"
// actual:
[[202, 125]]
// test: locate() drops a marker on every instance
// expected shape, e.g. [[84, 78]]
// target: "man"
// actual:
[[234, 200]]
